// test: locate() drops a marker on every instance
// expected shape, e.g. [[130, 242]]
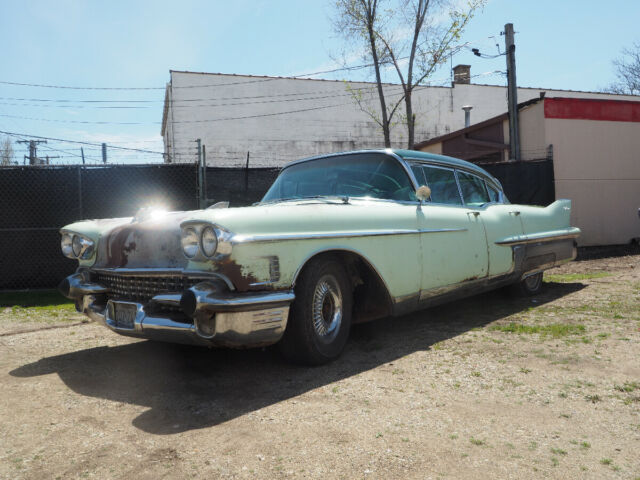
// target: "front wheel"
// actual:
[[528, 287], [320, 316]]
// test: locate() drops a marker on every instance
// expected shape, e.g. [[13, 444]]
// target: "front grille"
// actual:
[[141, 288]]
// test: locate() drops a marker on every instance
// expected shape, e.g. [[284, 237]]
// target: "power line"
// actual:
[[78, 142]]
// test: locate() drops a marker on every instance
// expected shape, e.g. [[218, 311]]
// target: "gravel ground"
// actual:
[[493, 387]]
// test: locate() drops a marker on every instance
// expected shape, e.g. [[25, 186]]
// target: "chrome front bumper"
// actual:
[[211, 315]]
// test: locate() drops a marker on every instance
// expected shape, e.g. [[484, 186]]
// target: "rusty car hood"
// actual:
[[137, 243]]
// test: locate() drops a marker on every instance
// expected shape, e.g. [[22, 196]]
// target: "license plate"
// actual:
[[124, 314]]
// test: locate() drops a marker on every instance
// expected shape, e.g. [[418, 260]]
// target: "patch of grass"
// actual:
[[558, 451], [585, 445], [593, 398], [574, 277], [525, 370], [606, 461], [628, 387], [476, 374], [477, 442], [555, 330], [37, 299], [554, 461]]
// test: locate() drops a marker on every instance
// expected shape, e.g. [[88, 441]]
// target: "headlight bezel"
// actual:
[[223, 239], [76, 246]]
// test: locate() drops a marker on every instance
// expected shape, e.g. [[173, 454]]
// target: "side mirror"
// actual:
[[423, 193]]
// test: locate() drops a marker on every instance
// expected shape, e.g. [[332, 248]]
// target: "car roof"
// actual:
[[442, 159], [413, 155]]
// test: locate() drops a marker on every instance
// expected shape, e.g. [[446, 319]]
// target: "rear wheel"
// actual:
[[528, 287], [320, 316]]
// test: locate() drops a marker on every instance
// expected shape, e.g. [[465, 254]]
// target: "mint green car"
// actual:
[[338, 239]]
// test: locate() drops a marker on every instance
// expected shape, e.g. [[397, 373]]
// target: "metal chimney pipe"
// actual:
[[467, 115]]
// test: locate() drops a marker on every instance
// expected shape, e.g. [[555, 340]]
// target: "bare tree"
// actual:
[[413, 37], [359, 20], [6, 151], [627, 72]]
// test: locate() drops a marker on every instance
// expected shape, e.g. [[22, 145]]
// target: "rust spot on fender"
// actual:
[[475, 277], [233, 272]]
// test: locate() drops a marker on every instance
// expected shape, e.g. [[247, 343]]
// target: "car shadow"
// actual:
[[189, 388]]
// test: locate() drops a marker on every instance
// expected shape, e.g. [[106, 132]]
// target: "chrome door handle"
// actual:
[[475, 213], [515, 212]]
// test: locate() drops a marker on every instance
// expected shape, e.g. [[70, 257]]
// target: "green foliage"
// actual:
[[573, 277], [37, 299], [555, 330]]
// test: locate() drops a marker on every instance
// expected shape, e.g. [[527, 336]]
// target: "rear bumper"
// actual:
[[206, 314]]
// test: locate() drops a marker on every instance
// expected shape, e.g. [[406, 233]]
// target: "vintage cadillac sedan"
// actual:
[[337, 239]]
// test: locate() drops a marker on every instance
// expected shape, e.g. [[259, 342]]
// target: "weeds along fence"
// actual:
[[36, 201]]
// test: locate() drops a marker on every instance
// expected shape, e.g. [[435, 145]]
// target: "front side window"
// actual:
[[374, 175], [473, 189], [442, 183]]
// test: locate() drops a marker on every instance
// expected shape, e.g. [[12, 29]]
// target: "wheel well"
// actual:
[[371, 299]]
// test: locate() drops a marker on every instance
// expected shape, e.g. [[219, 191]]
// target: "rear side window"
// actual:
[[473, 189], [443, 185]]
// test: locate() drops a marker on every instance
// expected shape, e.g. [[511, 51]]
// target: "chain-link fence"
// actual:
[[36, 201]]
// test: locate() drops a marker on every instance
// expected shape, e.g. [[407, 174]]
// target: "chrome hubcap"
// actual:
[[327, 308]]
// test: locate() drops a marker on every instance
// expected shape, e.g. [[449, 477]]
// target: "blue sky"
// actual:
[[565, 44]]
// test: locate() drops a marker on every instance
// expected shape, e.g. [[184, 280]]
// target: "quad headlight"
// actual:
[[190, 242], [76, 246], [201, 242], [209, 241]]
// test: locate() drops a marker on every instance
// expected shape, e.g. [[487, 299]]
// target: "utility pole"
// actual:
[[33, 147], [512, 93], [104, 153], [82, 154], [48, 157]]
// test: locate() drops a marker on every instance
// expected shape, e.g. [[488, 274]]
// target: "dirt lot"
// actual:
[[490, 387]]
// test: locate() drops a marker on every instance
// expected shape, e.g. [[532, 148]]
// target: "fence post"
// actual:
[[81, 213], [246, 174], [205, 200], [199, 170]]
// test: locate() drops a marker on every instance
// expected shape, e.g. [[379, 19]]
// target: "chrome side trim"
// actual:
[[551, 236], [276, 237]]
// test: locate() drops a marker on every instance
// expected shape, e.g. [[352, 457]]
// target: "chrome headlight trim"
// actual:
[[190, 241], [209, 241], [223, 237], [76, 246]]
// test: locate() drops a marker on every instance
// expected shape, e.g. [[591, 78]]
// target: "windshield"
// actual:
[[373, 175]]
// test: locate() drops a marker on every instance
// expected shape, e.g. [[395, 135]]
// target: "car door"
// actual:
[[453, 240], [499, 220]]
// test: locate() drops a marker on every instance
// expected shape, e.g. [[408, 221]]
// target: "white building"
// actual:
[[276, 120]]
